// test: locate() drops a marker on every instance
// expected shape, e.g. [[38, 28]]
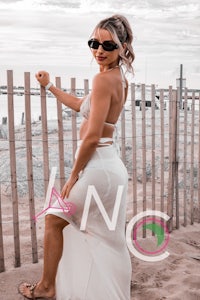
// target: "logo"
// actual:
[[66, 207], [148, 220]]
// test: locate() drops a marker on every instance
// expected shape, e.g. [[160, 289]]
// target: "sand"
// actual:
[[177, 277]]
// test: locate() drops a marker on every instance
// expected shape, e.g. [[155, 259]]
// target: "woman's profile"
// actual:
[[84, 258]]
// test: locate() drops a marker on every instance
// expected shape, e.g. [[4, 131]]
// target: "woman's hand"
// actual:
[[43, 78], [68, 186]]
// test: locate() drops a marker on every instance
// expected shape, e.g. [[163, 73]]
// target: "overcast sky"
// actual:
[[53, 34]]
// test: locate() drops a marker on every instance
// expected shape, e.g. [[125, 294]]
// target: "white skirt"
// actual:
[[95, 263]]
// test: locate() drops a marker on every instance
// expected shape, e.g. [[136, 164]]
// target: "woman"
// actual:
[[94, 263]]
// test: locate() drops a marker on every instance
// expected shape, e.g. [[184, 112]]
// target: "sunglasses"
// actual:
[[107, 45]]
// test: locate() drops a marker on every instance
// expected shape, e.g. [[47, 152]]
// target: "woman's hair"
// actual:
[[121, 32]]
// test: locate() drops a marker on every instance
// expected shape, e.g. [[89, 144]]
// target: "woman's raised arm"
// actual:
[[69, 100]]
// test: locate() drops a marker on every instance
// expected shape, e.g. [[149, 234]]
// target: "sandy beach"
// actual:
[[177, 277]]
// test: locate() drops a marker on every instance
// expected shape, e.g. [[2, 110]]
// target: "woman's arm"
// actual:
[[100, 105], [65, 98]]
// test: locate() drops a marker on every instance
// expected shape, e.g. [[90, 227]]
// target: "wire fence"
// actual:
[[159, 138]]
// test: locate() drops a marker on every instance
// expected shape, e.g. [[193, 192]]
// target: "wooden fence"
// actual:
[[159, 142]]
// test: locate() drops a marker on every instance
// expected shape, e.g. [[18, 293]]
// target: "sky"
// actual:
[[52, 35]]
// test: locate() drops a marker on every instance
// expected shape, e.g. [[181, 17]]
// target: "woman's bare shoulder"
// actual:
[[101, 80], [105, 79]]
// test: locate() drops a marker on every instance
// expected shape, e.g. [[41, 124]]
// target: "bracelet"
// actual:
[[47, 87]]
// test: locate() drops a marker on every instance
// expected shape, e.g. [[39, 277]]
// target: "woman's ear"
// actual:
[[124, 45]]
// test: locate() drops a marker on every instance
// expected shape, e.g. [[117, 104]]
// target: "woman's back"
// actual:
[[117, 86]]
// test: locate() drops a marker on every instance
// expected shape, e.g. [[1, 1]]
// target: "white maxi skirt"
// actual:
[[95, 264]]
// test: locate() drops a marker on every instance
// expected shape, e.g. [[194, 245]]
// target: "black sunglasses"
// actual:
[[107, 45]]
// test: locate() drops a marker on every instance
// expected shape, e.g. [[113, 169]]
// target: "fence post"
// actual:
[[86, 86], [60, 138], [153, 148], [199, 168], [74, 125], [192, 162], [177, 133], [44, 137], [14, 193], [185, 156], [173, 155], [2, 264], [134, 148], [144, 176], [29, 162], [162, 153]]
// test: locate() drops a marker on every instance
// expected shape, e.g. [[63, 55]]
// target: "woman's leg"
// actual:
[[53, 247]]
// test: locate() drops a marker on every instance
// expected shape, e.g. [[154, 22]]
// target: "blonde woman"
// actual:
[[91, 262]]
